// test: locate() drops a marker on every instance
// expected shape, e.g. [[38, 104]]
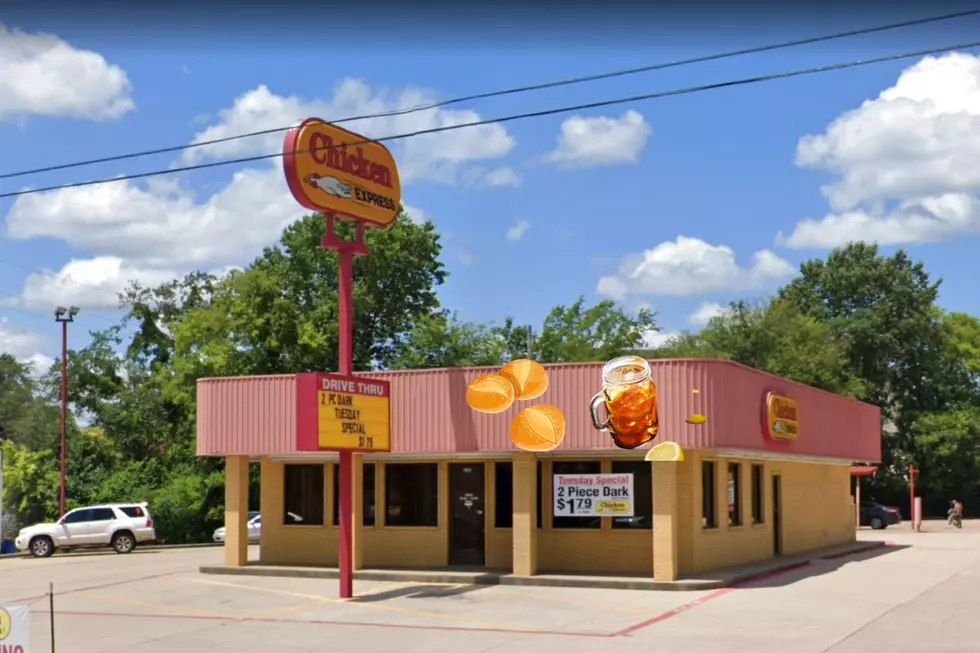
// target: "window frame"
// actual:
[[757, 473], [709, 495], [637, 492], [365, 486], [557, 526], [288, 509], [509, 513], [389, 467], [735, 516]]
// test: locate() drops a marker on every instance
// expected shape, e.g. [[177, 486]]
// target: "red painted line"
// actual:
[[690, 605], [327, 622], [99, 586]]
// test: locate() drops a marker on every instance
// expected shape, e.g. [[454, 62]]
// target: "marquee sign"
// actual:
[[343, 413]]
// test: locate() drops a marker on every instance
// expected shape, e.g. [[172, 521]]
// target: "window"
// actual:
[[503, 495], [304, 488], [133, 511], [537, 496], [101, 514], [367, 482], [412, 494], [757, 514], [557, 468], [78, 516], [734, 494], [709, 517], [642, 494]]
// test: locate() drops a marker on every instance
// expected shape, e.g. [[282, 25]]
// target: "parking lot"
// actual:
[[901, 598]]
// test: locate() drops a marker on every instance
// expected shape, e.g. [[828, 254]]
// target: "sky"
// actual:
[[681, 204]]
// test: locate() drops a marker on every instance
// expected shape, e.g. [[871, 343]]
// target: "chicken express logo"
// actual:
[[332, 170], [782, 417]]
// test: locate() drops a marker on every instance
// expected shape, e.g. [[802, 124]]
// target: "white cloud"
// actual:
[[517, 230], [414, 214], [705, 312], [44, 76], [24, 346], [585, 142], [653, 339], [155, 230], [904, 161], [437, 156], [89, 284], [503, 176], [690, 266]]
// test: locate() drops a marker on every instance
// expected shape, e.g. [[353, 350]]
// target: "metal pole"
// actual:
[[912, 471], [530, 342], [345, 365], [64, 407], [51, 612]]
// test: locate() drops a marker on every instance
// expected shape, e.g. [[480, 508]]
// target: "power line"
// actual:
[[521, 116], [514, 91]]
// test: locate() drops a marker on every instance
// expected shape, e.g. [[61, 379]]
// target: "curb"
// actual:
[[738, 579], [141, 548]]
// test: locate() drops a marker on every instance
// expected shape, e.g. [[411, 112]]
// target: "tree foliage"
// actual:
[[857, 323]]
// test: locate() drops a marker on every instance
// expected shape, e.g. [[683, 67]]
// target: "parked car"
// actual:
[[878, 516], [254, 527], [119, 525]]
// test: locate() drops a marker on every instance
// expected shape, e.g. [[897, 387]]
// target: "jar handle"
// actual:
[[599, 398]]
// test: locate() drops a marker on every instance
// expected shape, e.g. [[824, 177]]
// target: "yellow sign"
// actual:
[[782, 417], [335, 171], [612, 507], [353, 414], [5, 625]]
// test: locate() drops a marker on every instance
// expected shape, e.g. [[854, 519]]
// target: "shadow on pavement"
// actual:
[[420, 591], [817, 567]]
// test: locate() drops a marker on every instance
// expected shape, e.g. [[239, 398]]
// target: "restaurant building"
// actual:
[[454, 491]]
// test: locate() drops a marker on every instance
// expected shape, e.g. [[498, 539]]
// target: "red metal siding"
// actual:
[[830, 425], [429, 412], [247, 415]]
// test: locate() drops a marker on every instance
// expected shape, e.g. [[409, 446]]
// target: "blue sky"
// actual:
[[681, 203]]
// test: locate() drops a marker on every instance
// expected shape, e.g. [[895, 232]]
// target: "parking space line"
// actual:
[[158, 606], [369, 606], [583, 604], [326, 622]]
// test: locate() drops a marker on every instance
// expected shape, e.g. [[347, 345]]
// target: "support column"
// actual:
[[236, 511], [666, 512], [357, 510], [525, 525]]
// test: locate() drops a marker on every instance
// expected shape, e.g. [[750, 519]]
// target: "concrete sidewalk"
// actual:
[[699, 582]]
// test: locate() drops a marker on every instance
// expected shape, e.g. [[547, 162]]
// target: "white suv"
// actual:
[[119, 525]]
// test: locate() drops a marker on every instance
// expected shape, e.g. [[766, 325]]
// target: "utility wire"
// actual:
[[514, 91], [521, 116]]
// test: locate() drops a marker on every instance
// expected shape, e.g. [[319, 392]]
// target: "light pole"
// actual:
[[64, 316]]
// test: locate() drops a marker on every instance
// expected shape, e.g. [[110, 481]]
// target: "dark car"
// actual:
[[878, 516]]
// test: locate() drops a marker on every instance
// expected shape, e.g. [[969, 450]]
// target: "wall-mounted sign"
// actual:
[[15, 628], [592, 495], [782, 417], [343, 413], [335, 171]]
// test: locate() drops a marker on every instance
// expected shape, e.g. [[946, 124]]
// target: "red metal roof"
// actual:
[[863, 470], [257, 415]]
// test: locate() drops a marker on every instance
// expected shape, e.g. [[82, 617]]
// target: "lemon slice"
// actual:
[[666, 452]]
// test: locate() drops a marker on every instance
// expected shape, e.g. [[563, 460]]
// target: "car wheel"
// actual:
[[123, 542], [42, 547], [877, 523]]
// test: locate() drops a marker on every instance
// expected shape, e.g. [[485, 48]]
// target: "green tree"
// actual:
[[774, 337], [575, 333], [441, 340]]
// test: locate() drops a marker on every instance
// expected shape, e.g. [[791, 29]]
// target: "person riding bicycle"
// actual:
[[955, 510]]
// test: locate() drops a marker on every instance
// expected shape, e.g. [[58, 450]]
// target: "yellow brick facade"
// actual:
[[817, 510]]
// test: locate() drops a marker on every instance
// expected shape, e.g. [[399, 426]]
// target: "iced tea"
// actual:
[[630, 398]]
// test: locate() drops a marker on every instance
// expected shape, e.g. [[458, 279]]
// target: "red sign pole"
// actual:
[[912, 472], [346, 251]]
